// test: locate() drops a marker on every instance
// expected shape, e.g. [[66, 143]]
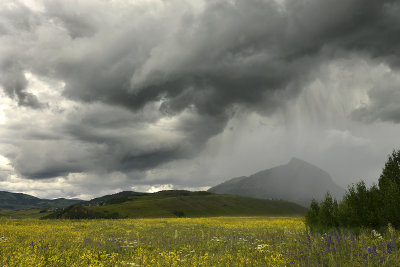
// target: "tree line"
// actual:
[[373, 207]]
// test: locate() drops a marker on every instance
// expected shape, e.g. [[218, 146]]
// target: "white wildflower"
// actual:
[[376, 234], [261, 247]]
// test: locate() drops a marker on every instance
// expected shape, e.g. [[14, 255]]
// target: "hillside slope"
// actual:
[[180, 203], [298, 181], [12, 201]]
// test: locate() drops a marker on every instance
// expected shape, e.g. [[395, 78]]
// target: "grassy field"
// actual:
[[217, 241], [23, 214], [200, 206], [179, 203]]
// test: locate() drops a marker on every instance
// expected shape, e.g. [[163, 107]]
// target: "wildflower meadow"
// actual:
[[219, 241]]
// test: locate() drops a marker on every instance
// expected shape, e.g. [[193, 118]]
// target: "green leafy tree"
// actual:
[[391, 203], [372, 207], [312, 219], [360, 206], [389, 187], [391, 171], [375, 204], [328, 212]]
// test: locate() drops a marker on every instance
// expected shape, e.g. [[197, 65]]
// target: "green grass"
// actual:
[[198, 206], [201, 242], [183, 204], [23, 214]]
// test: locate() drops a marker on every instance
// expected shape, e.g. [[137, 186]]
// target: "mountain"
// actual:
[[10, 200], [177, 203], [298, 181]]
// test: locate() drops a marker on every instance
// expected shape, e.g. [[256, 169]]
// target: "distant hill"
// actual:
[[113, 198], [177, 203], [298, 181], [13, 201]]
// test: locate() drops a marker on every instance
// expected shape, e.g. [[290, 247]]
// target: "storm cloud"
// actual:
[[98, 87]]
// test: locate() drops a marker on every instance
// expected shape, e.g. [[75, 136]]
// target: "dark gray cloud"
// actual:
[[12, 79], [79, 20], [231, 53], [383, 107], [14, 83], [165, 77]]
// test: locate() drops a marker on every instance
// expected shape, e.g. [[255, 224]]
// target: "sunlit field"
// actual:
[[222, 241]]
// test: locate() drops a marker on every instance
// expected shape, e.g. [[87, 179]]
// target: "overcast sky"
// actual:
[[99, 96]]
